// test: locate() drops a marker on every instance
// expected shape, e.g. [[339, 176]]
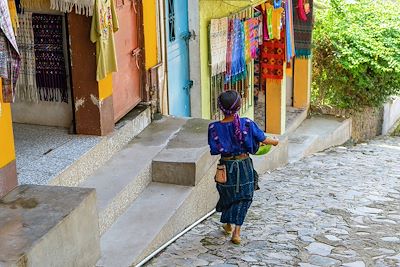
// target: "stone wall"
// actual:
[[366, 124]]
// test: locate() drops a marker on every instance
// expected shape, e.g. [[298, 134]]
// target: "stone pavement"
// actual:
[[340, 207]]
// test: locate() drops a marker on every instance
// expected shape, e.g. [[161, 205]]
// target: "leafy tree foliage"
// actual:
[[356, 54]]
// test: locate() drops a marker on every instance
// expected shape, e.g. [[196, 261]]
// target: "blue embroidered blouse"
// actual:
[[221, 138]]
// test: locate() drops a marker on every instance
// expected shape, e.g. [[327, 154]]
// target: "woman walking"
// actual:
[[234, 139]]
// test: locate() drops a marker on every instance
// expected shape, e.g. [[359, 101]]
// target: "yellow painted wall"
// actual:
[[7, 149], [105, 87], [209, 10], [302, 83], [150, 32]]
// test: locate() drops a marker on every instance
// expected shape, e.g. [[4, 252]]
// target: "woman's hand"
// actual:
[[271, 141]]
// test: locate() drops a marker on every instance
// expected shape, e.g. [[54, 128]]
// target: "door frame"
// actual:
[[166, 41]]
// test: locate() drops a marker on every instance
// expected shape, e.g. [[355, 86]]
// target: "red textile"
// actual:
[[273, 57]]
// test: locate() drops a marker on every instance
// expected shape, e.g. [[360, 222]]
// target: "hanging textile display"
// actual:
[[277, 22], [290, 48], [104, 24], [267, 22], [42, 5], [228, 73], [82, 7], [9, 54], [218, 45], [49, 57], [238, 52], [252, 37], [13, 15], [26, 85], [247, 35], [303, 26], [273, 58]]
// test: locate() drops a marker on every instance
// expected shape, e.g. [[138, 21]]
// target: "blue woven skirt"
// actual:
[[236, 195]]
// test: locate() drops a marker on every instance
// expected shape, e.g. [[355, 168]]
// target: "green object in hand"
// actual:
[[264, 149]]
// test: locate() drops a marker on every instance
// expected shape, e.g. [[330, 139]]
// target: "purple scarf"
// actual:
[[234, 109]]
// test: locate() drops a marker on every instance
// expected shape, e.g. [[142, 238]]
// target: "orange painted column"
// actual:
[[8, 171], [276, 106], [302, 83]]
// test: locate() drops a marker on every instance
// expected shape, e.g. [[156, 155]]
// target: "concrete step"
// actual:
[[49, 226], [187, 157], [78, 157], [161, 212], [120, 181], [317, 134]]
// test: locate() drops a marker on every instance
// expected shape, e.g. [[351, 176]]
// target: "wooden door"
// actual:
[[126, 82]]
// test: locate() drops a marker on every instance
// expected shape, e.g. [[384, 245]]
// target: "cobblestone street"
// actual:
[[340, 207]]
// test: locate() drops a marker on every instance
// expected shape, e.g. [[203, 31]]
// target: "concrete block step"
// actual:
[[49, 226], [157, 215], [186, 158], [79, 158], [317, 134], [121, 180]]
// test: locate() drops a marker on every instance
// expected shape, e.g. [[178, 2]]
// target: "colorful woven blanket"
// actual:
[[49, 57], [302, 29], [273, 58]]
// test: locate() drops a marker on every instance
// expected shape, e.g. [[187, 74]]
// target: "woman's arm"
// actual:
[[270, 141]]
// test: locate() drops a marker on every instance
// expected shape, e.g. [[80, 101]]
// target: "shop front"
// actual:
[[263, 51], [74, 65]]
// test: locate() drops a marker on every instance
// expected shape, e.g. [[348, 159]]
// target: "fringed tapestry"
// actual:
[[49, 57], [273, 58], [303, 26], [26, 86], [82, 7], [238, 52], [218, 45]]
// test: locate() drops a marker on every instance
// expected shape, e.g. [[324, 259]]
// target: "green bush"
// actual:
[[356, 53]]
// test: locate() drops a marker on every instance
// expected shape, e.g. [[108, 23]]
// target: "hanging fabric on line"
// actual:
[[104, 24], [238, 52], [290, 48], [26, 86], [252, 36], [42, 5], [9, 55], [13, 15], [229, 51], [218, 45], [49, 57], [82, 7], [303, 29], [273, 58]]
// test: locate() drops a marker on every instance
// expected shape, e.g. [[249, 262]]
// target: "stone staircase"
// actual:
[[152, 189]]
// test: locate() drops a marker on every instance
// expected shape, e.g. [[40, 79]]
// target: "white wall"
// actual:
[[391, 114]]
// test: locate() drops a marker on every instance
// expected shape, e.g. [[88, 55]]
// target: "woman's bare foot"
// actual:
[[236, 236], [227, 228]]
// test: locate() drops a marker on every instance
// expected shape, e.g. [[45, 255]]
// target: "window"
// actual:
[[171, 20]]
